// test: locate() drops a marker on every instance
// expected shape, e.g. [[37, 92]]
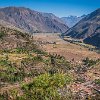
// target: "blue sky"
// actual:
[[60, 8]]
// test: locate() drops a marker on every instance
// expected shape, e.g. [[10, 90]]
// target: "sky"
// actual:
[[60, 8]]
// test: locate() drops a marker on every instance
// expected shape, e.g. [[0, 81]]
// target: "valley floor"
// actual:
[[52, 43]]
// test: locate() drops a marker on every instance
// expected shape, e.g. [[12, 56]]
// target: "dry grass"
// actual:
[[66, 49]]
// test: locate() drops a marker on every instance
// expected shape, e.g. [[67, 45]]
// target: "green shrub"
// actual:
[[21, 50], [97, 81], [2, 97], [38, 51], [2, 34], [10, 73], [45, 87], [89, 62], [5, 63]]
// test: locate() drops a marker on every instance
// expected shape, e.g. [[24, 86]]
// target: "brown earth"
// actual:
[[53, 44]]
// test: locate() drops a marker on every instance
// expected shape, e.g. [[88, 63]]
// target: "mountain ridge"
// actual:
[[72, 20], [87, 28], [32, 21]]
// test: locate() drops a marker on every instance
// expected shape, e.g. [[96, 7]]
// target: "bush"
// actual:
[[21, 50], [89, 62], [10, 73], [1, 34], [45, 87], [97, 81]]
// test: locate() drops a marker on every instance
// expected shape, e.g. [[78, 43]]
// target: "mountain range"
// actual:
[[87, 29], [72, 20], [31, 21]]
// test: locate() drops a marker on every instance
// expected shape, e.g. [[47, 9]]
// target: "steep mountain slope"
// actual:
[[32, 21], [87, 29], [11, 38], [94, 40], [11, 26], [72, 20]]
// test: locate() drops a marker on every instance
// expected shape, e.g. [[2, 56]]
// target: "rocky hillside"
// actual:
[[30, 73], [87, 29], [22, 62], [32, 21], [94, 40], [11, 38], [72, 20]]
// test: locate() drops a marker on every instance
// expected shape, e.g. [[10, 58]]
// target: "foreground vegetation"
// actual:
[[29, 73]]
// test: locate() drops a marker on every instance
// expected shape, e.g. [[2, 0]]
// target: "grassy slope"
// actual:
[[28, 72]]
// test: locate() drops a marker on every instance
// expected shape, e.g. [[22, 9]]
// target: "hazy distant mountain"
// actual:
[[32, 21], [87, 29], [72, 20]]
